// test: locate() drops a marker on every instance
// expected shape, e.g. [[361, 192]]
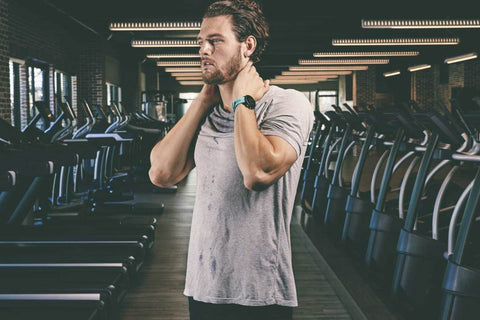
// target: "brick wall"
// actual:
[[51, 88], [443, 91], [130, 84], [34, 34], [31, 30], [4, 71], [472, 74], [23, 95], [424, 87], [427, 89], [456, 75], [75, 94], [91, 75], [365, 87]]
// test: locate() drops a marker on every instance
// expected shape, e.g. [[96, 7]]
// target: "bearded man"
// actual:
[[247, 140]]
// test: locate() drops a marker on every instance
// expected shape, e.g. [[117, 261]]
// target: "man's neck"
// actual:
[[226, 91]]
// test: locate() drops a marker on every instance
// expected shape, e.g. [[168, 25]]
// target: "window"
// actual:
[[326, 99], [189, 96], [114, 95], [35, 81], [182, 104], [37, 89], [63, 89]]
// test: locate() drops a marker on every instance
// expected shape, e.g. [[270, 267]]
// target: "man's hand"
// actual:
[[248, 82], [209, 95]]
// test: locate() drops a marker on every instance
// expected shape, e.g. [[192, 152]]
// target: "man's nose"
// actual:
[[205, 48]]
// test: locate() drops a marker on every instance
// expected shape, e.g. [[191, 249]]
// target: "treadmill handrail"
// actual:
[[114, 136]]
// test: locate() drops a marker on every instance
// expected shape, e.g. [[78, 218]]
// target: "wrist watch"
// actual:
[[247, 101]]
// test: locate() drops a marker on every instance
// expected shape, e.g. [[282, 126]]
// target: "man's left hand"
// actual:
[[249, 82]]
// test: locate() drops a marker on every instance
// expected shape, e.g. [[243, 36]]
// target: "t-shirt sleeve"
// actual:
[[290, 117]]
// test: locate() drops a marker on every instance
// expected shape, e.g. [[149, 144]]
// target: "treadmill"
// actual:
[[39, 286], [49, 290]]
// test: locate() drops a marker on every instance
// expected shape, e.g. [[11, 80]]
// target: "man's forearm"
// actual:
[[170, 156], [255, 154]]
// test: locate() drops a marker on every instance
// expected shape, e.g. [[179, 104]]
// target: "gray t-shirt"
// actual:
[[240, 239]]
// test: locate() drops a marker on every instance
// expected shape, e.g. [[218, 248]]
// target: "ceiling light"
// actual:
[[366, 54], [293, 81], [186, 74], [188, 78], [191, 83], [173, 55], [342, 61], [177, 63], [391, 73], [301, 77], [315, 73], [396, 42], [327, 68], [164, 43], [461, 58], [184, 69], [154, 26], [419, 67], [420, 24]]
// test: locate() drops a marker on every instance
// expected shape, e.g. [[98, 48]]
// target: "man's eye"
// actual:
[[213, 41]]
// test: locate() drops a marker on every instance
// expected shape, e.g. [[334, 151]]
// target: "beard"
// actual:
[[220, 77]]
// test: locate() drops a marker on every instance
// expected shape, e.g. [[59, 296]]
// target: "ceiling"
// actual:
[[297, 27]]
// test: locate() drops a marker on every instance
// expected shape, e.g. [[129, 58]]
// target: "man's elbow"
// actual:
[[257, 181], [160, 179]]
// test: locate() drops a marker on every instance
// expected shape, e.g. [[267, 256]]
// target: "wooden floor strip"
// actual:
[[316, 282], [158, 293]]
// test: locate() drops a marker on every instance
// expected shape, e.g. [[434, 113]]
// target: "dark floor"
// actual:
[[371, 297], [158, 293]]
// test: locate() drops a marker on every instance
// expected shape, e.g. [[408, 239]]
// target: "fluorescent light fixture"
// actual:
[[318, 78], [464, 57], [421, 24], [419, 67], [276, 81], [177, 63], [164, 43], [315, 73], [188, 78], [173, 55], [366, 54], [327, 68], [153, 26], [184, 69], [186, 74], [342, 61], [191, 83], [391, 73], [396, 42]]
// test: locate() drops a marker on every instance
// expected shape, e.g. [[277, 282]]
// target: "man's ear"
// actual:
[[251, 44]]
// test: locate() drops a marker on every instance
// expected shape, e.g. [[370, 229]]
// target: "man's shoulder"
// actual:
[[290, 98], [288, 93]]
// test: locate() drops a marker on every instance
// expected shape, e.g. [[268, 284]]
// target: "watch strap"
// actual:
[[236, 102]]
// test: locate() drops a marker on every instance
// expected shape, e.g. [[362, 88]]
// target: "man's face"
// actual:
[[220, 51]]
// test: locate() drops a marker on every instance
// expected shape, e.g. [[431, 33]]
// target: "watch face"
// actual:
[[249, 102]]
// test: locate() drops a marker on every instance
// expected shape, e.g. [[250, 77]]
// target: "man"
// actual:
[[247, 140]]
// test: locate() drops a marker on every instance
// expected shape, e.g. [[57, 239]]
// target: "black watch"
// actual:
[[247, 101]]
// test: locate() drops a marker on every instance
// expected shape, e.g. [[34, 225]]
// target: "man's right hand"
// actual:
[[209, 95]]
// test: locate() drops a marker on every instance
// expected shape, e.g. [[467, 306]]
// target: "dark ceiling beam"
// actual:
[[68, 15]]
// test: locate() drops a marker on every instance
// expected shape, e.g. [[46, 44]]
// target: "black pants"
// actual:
[[208, 311]]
